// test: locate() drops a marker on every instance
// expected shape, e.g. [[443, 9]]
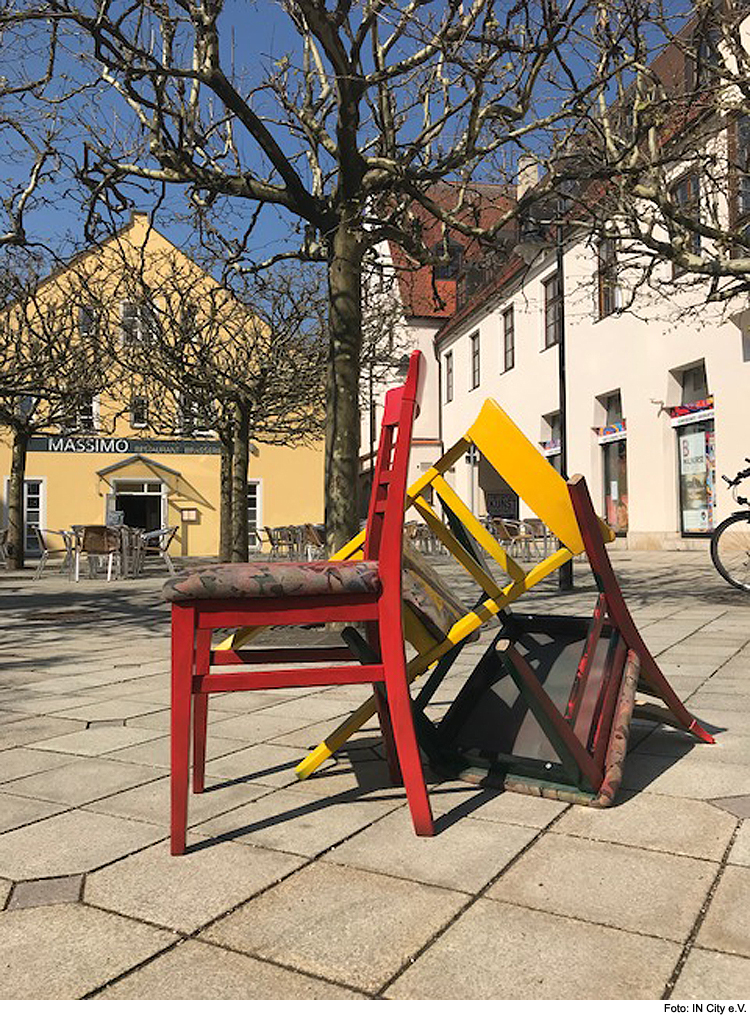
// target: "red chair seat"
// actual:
[[274, 578]]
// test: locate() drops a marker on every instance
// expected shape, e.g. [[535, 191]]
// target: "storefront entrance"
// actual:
[[616, 485], [140, 503]]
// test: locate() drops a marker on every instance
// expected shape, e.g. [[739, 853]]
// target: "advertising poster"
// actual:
[[697, 470]]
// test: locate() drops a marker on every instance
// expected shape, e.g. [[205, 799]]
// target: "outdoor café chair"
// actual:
[[4, 546], [160, 540], [98, 541], [47, 550], [288, 593]]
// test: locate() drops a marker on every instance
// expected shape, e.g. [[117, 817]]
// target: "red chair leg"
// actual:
[[183, 631], [200, 709], [399, 703]]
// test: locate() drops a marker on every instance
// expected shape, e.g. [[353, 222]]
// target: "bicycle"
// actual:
[[730, 541]]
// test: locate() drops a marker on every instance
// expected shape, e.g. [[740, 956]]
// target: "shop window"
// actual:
[[509, 339], [551, 442], [552, 311], [449, 377], [474, 360]]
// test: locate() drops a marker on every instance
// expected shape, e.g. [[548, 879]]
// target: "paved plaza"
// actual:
[[319, 889]]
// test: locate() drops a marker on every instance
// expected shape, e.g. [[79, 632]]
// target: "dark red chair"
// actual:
[[312, 592]]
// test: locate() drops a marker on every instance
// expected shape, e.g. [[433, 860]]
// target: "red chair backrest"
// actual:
[[385, 519]]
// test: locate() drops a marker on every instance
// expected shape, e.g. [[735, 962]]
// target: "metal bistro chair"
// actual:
[[4, 546], [67, 550], [98, 541], [159, 540], [287, 593]]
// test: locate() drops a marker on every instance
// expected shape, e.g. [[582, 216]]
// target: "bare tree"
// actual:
[[50, 373], [370, 106], [250, 368]]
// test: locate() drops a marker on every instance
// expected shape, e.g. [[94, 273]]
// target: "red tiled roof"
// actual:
[[421, 294]]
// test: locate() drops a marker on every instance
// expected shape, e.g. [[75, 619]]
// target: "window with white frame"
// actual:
[[82, 414], [509, 339], [552, 310], [475, 358], [192, 419], [608, 289], [449, 377], [253, 515], [686, 197], [138, 324], [138, 411], [88, 321]]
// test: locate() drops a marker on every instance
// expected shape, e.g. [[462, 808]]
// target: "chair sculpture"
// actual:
[[573, 526], [263, 594], [98, 541], [47, 550]]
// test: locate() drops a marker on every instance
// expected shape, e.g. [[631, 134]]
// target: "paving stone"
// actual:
[[263, 764], [347, 925], [496, 951], [151, 802], [107, 710], [35, 704], [702, 780], [738, 806], [186, 892], [689, 827], [70, 843], [296, 821], [740, 851], [727, 923], [65, 951], [31, 731], [463, 857], [609, 884], [728, 748], [197, 971], [260, 726], [363, 778], [81, 781], [20, 762], [92, 742], [45, 892], [156, 752], [5, 890], [16, 811], [708, 976], [455, 800]]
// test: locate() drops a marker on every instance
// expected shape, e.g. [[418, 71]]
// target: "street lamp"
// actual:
[[529, 250]]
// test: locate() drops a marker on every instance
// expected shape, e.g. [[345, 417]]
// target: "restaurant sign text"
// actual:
[[96, 444]]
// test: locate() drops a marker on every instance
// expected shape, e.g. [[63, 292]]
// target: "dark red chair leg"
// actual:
[[200, 709], [183, 632], [399, 704]]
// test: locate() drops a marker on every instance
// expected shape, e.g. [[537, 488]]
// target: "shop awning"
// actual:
[[173, 479]]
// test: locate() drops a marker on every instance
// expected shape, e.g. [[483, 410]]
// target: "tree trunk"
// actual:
[[240, 462], [16, 528], [225, 515], [342, 387]]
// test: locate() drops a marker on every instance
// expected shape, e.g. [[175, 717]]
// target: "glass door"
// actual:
[[32, 514], [616, 485]]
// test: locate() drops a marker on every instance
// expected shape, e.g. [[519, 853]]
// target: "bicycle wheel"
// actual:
[[730, 550]]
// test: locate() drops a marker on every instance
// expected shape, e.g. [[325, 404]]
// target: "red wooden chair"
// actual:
[[286, 593]]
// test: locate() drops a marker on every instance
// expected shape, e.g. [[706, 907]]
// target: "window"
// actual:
[[609, 300], [253, 515], [694, 384], [509, 340], [88, 321], [138, 324], [450, 255], [552, 311], [686, 197], [191, 418], [449, 377], [138, 411], [81, 416], [474, 359], [741, 171]]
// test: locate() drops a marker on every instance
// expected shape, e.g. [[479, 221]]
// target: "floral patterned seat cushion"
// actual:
[[424, 592], [273, 578]]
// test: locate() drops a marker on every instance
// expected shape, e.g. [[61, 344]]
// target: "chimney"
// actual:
[[528, 174]]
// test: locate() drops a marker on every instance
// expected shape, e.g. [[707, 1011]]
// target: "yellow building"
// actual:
[[114, 456]]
